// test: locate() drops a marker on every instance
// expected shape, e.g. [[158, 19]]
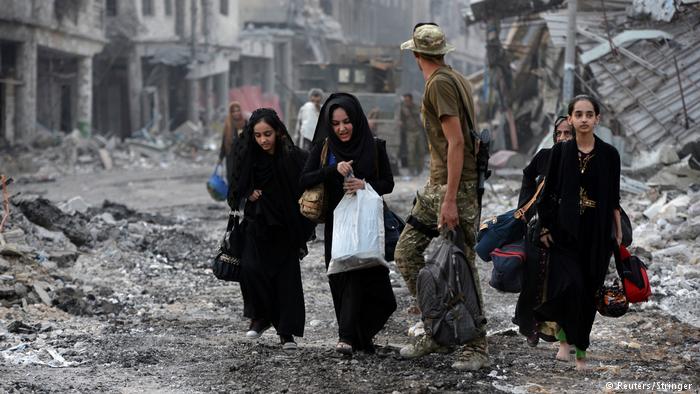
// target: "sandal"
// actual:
[[343, 348]]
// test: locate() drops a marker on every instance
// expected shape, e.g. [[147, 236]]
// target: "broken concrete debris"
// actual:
[[40, 289], [42, 212], [75, 204], [55, 153]]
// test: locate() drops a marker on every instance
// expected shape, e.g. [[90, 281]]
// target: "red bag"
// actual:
[[634, 277]]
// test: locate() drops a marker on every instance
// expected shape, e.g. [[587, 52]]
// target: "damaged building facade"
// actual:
[[638, 59], [349, 46], [47, 51], [166, 62], [124, 68]]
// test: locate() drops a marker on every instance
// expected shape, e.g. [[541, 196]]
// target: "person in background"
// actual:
[[535, 272], [412, 135], [275, 231], [363, 299], [578, 208], [307, 119], [233, 128], [372, 118], [449, 198]]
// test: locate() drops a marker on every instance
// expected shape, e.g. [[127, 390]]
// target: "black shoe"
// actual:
[[287, 342], [257, 328]]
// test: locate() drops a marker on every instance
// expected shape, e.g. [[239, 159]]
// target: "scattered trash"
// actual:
[[25, 354], [18, 327]]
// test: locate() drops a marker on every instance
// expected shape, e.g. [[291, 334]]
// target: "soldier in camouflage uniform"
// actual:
[[412, 135], [449, 198]]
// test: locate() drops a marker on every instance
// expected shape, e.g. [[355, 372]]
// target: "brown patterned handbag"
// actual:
[[312, 203]]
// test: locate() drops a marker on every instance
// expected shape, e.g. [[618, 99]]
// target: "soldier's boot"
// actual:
[[473, 356], [423, 346]]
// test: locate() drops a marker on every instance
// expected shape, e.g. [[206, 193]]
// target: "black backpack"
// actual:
[[446, 292]]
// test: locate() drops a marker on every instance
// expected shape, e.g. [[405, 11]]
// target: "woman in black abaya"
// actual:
[[579, 208], [363, 299], [275, 231], [535, 269]]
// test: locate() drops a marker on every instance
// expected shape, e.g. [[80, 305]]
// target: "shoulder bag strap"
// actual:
[[324, 153], [520, 212]]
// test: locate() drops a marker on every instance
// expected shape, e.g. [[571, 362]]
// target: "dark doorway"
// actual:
[[66, 123], [177, 92]]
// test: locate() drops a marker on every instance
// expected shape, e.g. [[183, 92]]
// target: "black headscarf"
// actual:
[[361, 148], [284, 166], [560, 119]]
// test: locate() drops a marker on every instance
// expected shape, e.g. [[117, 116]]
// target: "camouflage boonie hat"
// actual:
[[428, 38]]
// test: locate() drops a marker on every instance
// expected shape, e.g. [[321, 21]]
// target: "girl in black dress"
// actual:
[[363, 299], [578, 210], [275, 232]]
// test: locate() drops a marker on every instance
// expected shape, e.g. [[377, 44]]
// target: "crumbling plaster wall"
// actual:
[[73, 28]]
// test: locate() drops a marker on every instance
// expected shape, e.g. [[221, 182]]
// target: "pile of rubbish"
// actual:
[[51, 154], [60, 262], [666, 220]]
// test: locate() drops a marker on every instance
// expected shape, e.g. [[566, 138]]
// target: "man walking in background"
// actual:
[[450, 197], [412, 136], [307, 119]]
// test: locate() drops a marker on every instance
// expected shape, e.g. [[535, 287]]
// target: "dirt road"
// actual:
[[139, 311]]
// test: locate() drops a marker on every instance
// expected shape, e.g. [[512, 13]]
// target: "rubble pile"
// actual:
[[58, 264], [52, 154]]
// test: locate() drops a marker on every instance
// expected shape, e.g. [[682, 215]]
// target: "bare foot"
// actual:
[[413, 310], [581, 364], [563, 353]]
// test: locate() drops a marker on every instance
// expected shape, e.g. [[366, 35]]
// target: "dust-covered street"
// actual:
[[127, 125], [137, 309]]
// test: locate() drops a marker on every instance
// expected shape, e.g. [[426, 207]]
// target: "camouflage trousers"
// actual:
[[412, 243]]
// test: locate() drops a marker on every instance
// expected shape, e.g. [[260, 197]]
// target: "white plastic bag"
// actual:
[[358, 232]]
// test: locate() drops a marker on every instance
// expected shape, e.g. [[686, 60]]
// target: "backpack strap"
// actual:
[[472, 132]]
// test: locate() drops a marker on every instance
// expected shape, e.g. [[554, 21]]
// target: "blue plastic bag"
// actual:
[[216, 185]]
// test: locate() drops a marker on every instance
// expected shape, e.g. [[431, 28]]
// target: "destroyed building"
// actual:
[[167, 62], [348, 46], [47, 51], [638, 59]]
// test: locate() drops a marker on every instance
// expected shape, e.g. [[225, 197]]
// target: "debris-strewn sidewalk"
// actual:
[[121, 293]]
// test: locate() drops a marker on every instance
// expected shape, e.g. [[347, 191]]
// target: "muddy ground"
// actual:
[[135, 308]]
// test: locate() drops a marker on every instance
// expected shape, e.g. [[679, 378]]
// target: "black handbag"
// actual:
[[227, 263], [393, 226], [611, 300]]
